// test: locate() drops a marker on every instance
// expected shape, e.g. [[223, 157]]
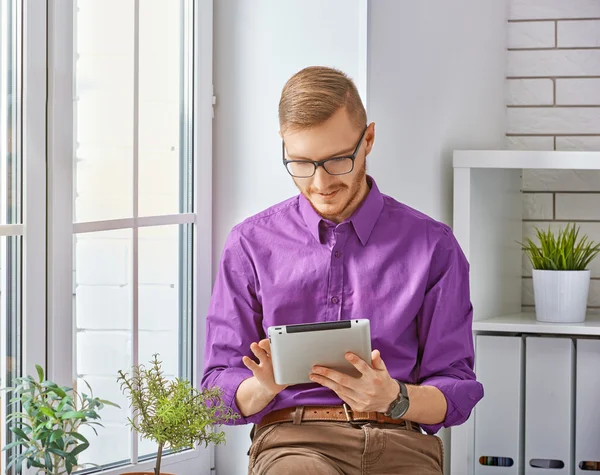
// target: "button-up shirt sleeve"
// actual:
[[234, 321], [445, 333]]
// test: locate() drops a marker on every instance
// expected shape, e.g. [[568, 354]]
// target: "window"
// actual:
[[132, 201], [105, 180], [11, 227]]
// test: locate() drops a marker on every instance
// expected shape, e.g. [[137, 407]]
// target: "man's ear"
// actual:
[[280, 134], [370, 137]]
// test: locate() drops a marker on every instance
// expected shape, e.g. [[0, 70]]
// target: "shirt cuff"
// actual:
[[231, 379], [461, 396]]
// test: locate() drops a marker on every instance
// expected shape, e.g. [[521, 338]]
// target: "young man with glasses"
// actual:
[[342, 250]]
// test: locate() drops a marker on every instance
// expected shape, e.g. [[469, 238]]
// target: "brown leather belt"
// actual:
[[341, 413]]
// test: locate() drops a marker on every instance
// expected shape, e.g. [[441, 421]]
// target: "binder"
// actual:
[[587, 409], [499, 415], [549, 408]]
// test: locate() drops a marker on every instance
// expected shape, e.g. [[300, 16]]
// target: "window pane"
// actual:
[[164, 151], [10, 209], [103, 310], [165, 304], [10, 114], [104, 84], [10, 325]]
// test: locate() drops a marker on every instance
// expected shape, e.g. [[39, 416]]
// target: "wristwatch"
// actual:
[[400, 405]]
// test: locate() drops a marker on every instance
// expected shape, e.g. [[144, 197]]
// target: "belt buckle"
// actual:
[[347, 411]]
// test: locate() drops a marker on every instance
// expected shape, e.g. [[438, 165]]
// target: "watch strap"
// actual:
[[402, 394]]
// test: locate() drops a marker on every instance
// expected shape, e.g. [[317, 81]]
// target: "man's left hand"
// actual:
[[374, 390]]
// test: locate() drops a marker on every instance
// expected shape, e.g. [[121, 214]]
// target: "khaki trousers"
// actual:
[[341, 448]]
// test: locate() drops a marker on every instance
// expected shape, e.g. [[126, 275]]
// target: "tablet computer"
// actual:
[[295, 349]]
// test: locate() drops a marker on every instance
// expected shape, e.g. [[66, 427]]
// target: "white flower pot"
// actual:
[[561, 295]]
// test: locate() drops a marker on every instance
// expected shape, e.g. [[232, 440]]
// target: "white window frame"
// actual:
[[60, 319], [33, 227]]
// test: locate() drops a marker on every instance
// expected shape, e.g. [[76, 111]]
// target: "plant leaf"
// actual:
[[55, 451], [19, 432], [78, 436], [11, 445], [73, 415], [48, 460], [77, 450], [108, 403], [47, 411], [57, 434], [33, 462], [40, 372]]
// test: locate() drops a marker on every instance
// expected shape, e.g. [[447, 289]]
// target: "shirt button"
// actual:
[[338, 254], [334, 300]]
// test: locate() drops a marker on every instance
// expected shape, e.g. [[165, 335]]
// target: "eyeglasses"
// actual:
[[334, 166]]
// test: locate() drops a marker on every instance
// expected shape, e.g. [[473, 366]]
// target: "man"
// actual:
[[342, 250]]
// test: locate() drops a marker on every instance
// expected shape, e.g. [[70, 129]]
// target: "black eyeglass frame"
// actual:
[[321, 163]]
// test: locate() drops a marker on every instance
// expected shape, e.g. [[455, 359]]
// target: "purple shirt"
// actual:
[[389, 263]]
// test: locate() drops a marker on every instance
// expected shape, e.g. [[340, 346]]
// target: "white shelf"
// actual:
[[526, 323], [519, 159]]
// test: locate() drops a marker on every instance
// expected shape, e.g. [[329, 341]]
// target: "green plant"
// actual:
[[47, 427], [561, 252], [172, 413]]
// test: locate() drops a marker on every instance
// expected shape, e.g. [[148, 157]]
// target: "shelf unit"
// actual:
[[487, 223], [525, 322]]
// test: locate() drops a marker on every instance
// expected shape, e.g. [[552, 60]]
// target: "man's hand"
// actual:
[[263, 371], [374, 390]]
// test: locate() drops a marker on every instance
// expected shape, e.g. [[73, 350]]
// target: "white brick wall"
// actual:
[[551, 9], [577, 143], [576, 92], [577, 34], [530, 143], [526, 92], [554, 120], [538, 34], [553, 101], [553, 63]]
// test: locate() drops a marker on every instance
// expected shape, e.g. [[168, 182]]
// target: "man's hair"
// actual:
[[314, 94]]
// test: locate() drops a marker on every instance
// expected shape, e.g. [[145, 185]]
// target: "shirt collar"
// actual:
[[363, 219]]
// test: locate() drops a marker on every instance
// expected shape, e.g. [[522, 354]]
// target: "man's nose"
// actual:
[[321, 179]]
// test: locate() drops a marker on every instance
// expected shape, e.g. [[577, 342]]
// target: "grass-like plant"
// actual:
[[47, 428], [562, 251], [173, 413]]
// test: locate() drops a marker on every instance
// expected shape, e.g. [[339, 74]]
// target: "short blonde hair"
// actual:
[[314, 94]]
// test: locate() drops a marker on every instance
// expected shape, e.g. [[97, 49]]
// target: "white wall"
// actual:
[[258, 45], [436, 83]]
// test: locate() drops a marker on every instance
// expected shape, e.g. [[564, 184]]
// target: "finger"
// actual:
[[342, 391], [265, 345], [340, 378], [377, 361], [358, 363], [251, 365], [344, 394], [259, 353], [345, 383], [348, 400]]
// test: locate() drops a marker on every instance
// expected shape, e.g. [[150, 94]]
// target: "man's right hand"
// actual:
[[263, 370]]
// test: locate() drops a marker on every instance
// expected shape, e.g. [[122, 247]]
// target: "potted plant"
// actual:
[[47, 428], [561, 278], [172, 413]]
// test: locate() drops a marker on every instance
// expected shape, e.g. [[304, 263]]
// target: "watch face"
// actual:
[[400, 409]]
